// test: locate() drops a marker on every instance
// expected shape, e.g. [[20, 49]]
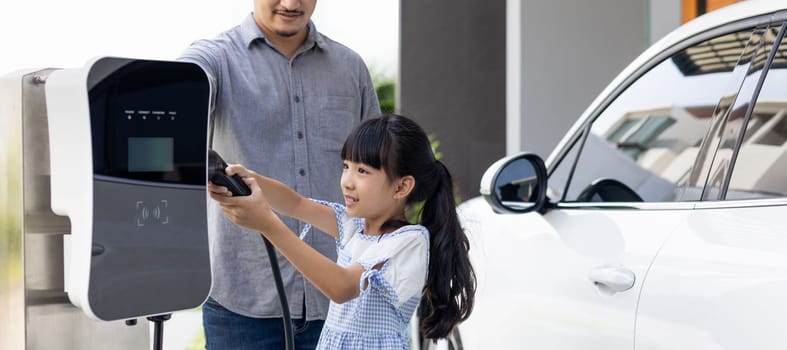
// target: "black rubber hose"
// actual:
[[285, 306]]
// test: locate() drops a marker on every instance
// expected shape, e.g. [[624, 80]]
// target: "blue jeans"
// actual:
[[225, 329]]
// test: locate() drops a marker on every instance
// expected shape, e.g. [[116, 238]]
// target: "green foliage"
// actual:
[[386, 94], [385, 86], [198, 343], [435, 144]]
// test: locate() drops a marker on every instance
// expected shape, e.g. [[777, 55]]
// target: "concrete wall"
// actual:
[[452, 80], [497, 77], [566, 60], [664, 17]]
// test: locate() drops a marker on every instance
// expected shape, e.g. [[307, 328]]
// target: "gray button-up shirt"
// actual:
[[286, 119]]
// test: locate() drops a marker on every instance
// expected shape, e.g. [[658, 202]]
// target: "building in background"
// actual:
[[690, 9], [490, 78]]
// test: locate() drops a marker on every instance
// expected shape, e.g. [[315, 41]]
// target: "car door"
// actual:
[[719, 281], [571, 278]]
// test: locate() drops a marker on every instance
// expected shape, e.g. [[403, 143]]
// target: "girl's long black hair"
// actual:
[[400, 147]]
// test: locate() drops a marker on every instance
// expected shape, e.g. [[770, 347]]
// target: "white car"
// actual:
[[660, 220]]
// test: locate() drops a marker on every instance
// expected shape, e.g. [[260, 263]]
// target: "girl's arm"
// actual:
[[254, 212], [285, 201], [337, 283]]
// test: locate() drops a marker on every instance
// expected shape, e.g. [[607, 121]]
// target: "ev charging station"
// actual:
[[103, 202]]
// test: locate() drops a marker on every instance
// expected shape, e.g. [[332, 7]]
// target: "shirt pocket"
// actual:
[[338, 115]]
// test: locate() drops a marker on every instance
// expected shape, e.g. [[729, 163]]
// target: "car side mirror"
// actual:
[[515, 184]]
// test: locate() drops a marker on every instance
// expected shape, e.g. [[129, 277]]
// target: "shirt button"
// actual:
[[302, 172], [300, 135], [297, 99]]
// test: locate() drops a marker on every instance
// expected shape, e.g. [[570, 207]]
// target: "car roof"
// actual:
[[728, 14]]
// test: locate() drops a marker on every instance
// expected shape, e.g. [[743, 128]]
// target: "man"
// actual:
[[284, 97]]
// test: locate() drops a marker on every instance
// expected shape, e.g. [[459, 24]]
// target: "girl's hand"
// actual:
[[232, 169], [252, 211]]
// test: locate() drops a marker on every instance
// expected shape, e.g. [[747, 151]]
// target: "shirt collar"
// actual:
[[251, 32]]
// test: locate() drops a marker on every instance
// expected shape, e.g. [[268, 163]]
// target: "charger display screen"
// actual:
[[150, 154]]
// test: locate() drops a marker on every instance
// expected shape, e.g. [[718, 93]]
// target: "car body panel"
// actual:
[[731, 264], [707, 273], [540, 270]]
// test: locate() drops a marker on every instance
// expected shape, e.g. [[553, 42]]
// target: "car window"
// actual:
[[715, 152], [760, 168], [643, 146]]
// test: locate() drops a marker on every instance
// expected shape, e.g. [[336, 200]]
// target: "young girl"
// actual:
[[381, 273]]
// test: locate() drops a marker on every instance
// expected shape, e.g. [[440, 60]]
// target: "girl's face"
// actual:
[[369, 194]]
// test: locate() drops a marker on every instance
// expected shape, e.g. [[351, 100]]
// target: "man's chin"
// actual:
[[287, 33]]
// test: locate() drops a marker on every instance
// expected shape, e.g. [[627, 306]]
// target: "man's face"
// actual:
[[285, 18]]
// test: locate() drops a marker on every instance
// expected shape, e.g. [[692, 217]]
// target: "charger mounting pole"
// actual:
[[158, 329]]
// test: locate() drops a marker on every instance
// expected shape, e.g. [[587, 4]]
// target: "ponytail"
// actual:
[[400, 147], [448, 296]]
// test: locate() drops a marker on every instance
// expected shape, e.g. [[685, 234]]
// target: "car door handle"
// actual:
[[614, 279]]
